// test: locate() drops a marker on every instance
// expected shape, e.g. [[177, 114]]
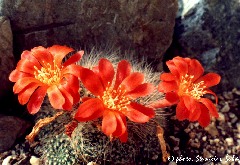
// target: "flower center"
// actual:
[[49, 74], [115, 99], [188, 87]]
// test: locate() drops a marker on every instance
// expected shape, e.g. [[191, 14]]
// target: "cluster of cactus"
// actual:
[[115, 104], [88, 143]]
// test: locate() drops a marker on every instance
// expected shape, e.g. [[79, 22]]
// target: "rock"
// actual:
[[208, 30], [145, 26], [6, 55], [11, 128]]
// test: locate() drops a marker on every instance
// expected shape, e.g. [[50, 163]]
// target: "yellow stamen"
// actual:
[[49, 74], [188, 87], [115, 99]]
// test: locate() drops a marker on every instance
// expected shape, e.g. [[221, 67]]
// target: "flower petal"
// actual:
[[181, 65], [59, 52], [74, 58], [26, 93], [15, 75], [36, 100], [139, 113], [91, 81], [109, 123], [171, 98], [132, 81], [141, 91], [123, 70], [210, 79], [27, 66], [204, 119], [23, 82], [173, 69], [121, 125], [90, 110], [123, 138], [73, 87], [68, 98], [211, 92], [195, 69], [72, 69], [27, 55], [195, 113], [85, 99], [190, 103], [167, 77], [210, 106], [167, 86], [42, 55], [182, 112], [106, 71], [55, 97]]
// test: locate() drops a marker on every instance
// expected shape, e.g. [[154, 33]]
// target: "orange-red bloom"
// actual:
[[41, 71], [185, 85], [114, 102]]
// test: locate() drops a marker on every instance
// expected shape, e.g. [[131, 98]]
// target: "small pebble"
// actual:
[[204, 138], [221, 117], [212, 130], [34, 160], [194, 144], [238, 127], [234, 120], [223, 133], [172, 163], [238, 135], [229, 141], [231, 115], [216, 140], [92, 163], [6, 161], [228, 95], [175, 140], [155, 157], [226, 107], [237, 92], [238, 141], [206, 154]]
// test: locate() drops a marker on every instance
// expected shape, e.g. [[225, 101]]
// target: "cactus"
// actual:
[[88, 143]]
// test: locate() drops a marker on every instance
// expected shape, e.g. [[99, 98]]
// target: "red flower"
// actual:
[[114, 102], [41, 71], [185, 85]]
